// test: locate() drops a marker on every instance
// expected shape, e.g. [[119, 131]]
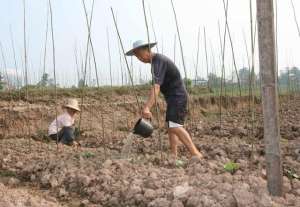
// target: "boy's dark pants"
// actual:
[[66, 135]]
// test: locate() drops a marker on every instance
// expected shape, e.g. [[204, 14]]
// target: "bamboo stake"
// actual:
[[121, 66], [127, 65], [197, 57], [153, 82], [225, 6], [132, 69], [213, 67], [222, 46], [111, 82], [26, 74], [89, 24], [162, 45], [295, 17], [252, 74], [25, 51], [8, 114], [54, 69], [174, 50], [15, 61], [103, 136], [44, 69], [180, 43], [153, 29], [182, 57], [22, 78], [90, 72], [206, 60], [77, 65], [122, 78], [5, 66]]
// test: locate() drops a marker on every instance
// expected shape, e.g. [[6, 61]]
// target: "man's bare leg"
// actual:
[[173, 139], [186, 139]]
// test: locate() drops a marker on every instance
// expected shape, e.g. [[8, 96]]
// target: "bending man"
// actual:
[[167, 79]]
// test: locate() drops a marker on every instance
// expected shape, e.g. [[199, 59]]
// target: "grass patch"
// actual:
[[7, 173]]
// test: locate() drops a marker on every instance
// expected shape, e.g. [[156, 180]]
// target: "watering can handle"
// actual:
[[149, 119]]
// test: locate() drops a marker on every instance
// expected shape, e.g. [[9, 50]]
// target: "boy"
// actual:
[[62, 129]]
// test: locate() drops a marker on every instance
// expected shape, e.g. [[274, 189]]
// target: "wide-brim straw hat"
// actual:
[[139, 44], [72, 104]]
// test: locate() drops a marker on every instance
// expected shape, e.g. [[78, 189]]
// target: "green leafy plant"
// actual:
[[231, 167], [179, 163], [88, 155], [291, 173], [7, 173]]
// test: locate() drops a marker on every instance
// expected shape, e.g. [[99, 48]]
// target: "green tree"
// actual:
[[244, 75], [81, 83], [187, 82], [44, 82], [1, 82], [214, 80]]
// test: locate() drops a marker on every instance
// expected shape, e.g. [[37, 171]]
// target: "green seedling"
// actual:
[[88, 155], [231, 167], [291, 174], [7, 174], [179, 163]]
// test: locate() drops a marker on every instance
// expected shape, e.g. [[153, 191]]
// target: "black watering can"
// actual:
[[143, 128]]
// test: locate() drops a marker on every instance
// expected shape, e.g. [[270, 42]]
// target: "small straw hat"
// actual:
[[139, 44], [72, 104]]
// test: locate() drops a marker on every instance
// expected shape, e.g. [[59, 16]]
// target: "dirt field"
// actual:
[[34, 173]]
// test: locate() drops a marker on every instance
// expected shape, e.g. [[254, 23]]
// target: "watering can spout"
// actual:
[[143, 128]]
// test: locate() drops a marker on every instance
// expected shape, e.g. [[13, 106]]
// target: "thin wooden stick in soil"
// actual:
[[127, 65], [54, 70], [85, 63], [152, 25], [44, 73], [111, 83], [225, 6], [89, 25], [251, 83], [206, 61], [222, 46], [153, 82], [15, 63], [10, 107], [26, 75], [174, 50]]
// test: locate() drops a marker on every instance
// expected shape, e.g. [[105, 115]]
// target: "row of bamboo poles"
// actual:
[[90, 61]]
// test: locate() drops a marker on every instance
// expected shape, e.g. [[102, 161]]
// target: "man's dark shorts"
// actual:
[[176, 111]]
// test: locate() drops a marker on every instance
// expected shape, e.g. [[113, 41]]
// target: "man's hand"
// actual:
[[146, 113], [75, 144]]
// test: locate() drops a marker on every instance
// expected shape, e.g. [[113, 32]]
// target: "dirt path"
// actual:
[[20, 197]]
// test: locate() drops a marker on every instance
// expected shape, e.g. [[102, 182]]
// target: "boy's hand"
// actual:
[[146, 113]]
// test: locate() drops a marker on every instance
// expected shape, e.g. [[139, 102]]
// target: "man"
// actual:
[[167, 79]]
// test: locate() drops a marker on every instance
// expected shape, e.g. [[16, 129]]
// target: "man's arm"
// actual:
[[151, 101], [153, 95]]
